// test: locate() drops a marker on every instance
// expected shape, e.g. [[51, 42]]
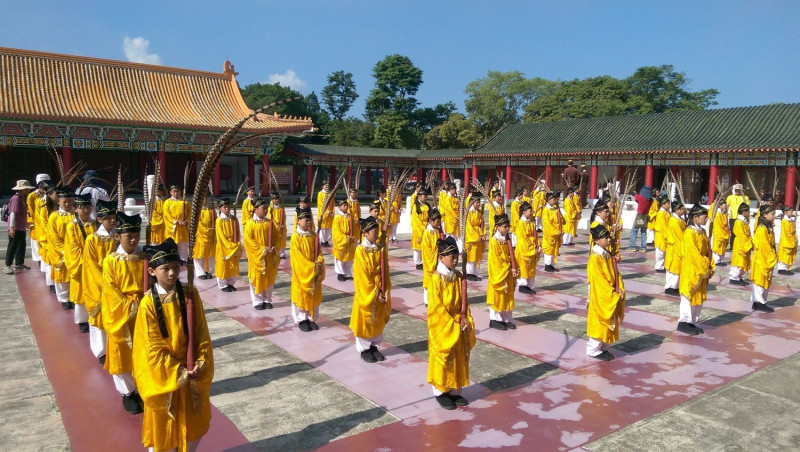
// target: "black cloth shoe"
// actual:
[[226, 289], [685, 327], [204, 276], [52, 289], [527, 290], [70, 305], [497, 325], [138, 399], [376, 353], [231, 288], [65, 306], [458, 400], [722, 264], [313, 325], [673, 292], [341, 277], [102, 360], [366, 355], [510, 326], [267, 305], [131, 405], [446, 402], [785, 272], [737, 282], [420, 267], [549, 268], [697, 328], [283, 258], [260, 306], [305, 326], [604, 356], [762, 307], [663, 270], [83, 327]]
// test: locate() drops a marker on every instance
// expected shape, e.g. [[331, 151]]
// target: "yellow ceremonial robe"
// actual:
[[205, 238], [158, 232], [247, 211], [325, 218], [661, 228], [354, 208], [346, 233], [552, 234], [606, 308], [169, 419], [40, 222], [419, 221], [32, 201], [262, 265], [73, 256], [525, 252], [742, 246], [369, 315], [56, 234], [674, 251], [450, 210], [448, 345], [176, 210], [394, 210], [228, 249], [788, 243], [430, 254], [493, 209], [122, 290], [764, 256], [538, 202], [721, 234], [473, 240], [294, 226], [570, 216], [278, 217], [652, 214], [95, 250], [500, 293], [695, 263], [308, 271], [514, 215]]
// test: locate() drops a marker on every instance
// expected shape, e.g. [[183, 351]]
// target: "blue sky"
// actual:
[[749, 50]]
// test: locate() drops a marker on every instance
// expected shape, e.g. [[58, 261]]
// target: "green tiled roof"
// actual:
[[346, 151], [761, 127], [457, 154]]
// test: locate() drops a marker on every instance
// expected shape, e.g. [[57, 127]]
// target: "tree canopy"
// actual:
[[339, 94]]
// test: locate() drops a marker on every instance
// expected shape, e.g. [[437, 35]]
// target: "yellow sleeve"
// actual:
[[500, 264], [73, 250]]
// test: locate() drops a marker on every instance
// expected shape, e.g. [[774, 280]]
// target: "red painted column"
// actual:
[[465, 182], [251, 170], [216, 183], [66, 156], [649, 172], [385, 176], [674, 171], [333, 176], [508, 182], [593, 182], [264, 174], [620, 174], [350, 177], [444, 175], [474, 172], [309, 180], [548, 175], [737, 175], [534, 175], [369, 180], [162, 163], [791, 185], [713, 172]]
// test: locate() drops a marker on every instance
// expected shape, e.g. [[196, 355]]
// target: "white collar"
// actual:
[[788, 218], [441, 268], [174, 198], [599, 220], [367, 244], [496, 204], [499, 236], [101, 231], [62, 210], [663, 209], [553, 207], [160, 290], [430, 228], [222, 215], [742, 218], [300, 231], [351, 199], [677, 216], [120, 250], [599, 250], [524, 218], [339, 212]]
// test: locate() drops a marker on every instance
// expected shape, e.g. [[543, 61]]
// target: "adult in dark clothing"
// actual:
[[89, 188], [571, 176], [584, 184], [17, 226]]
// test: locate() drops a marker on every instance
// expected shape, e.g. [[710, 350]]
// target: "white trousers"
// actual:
[[660, 254], [223, 283], [567, 238], [124, 383], [62, 292], [672, 281], [689, 313], [262, 297], [425, 296], [548, 259], [437, 392], [758, 294], [183, 251], [393, 231], [417, 257], [47, 270], [325, 235], [500, 316], [365, 343], [651, 236], [79, 314], [513, 240], [300, 315], [782, 266], [97, 341], [473, 268], [735, 273], [200, 268], [35, 251], [343, 267], [717, 257], [190, 447], [538, 222], [594, 347], [530, 282]]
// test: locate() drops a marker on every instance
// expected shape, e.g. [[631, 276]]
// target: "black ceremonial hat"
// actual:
[[447, 246], [599, 231], [600, 206], [765, 209], [500, 220], [676, 204], [260, 202], [224, 202], [303, 213], [743, 207], [524, 206], [368, 223], [551, 195], [128, 223], [105, 208], [83, 200], [304, 199], [434, 214], [697, 209], [161, 254], [64, 192]]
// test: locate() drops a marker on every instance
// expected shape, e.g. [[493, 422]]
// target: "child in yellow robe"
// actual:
[[48, 205], [372, 301], [433, 232], [278, 216], [449, 210], [177, 406], [674, 243], [228, 248], [353, 205], [308, 271], [787, 248], [764, 259], [695, 271], [177, 213], [720, 233], [158, 232], [742, 247], [262, 264], [203, 253], [419, 221], [77, 232], [98, 245], [571, 215], [345, 240], [374, 211], [552, 231], [514, 214], [495, 207], [304, 203], [538, 202], [325, 217], [56, 235], [247, 206], [502, 277], [475, 237], [660, 230], [451, 330], [123, 279], [606, 308], [34, 199], [652, 214], [394, 215], [528, 249]]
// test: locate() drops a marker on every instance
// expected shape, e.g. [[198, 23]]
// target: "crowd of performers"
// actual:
[[129, 300]]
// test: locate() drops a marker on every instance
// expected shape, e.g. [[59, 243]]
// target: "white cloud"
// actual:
[[289, 79], [137, 50]]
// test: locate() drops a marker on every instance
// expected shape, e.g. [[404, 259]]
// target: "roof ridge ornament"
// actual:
[[229, 69]]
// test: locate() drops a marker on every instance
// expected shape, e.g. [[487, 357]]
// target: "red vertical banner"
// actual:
[[713, 173], [737, 175], [465, 181], [474, 173], [444, 176]]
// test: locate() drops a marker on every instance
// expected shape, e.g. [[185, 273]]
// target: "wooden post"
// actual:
[[620, 174], [350, 177], [216, 183], [791, 184], [333, 176], [465, 182], [385, 176], [737, 175]]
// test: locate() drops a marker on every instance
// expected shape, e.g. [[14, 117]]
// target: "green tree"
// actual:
[[396, 82], [588, 98], [500, 98], [339, 94], [351, 132], [321, 120], [392, 131], [659, 89], [259, 94], [455, 133]]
